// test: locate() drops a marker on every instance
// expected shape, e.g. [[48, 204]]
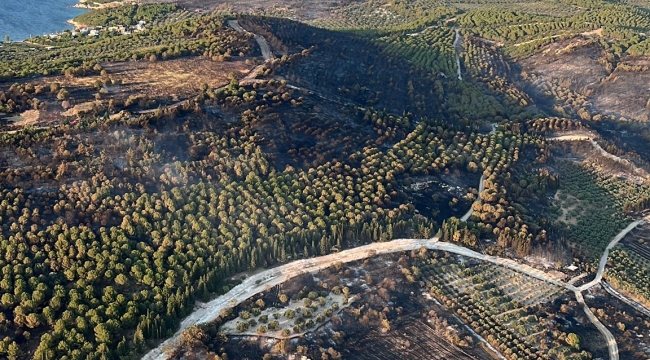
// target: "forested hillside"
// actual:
[[142, 170]]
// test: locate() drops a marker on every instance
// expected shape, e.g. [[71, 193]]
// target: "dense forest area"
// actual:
[[116, 220]]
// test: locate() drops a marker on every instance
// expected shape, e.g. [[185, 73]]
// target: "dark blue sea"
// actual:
[[25, 18]]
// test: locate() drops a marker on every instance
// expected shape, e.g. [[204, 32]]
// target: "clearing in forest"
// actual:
[[571, 208]]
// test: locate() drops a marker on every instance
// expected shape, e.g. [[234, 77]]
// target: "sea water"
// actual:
[[24, 18]]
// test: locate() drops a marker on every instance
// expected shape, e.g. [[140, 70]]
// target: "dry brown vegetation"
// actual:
[[580, 64], [625, 91], [164, 81], [180, 77], [575, 60], [28, 117]]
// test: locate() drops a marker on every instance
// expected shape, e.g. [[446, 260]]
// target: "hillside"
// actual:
[[153, 157]]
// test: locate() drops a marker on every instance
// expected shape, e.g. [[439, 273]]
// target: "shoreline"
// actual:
[[75, 24], [50, 22], [86, 5]]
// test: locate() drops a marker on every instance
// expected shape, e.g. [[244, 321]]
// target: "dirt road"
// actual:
[[603, 258], [265, 280], [272, 277], [639, 307], [261, 41], [469, 212], [612, 347], [590, 137]]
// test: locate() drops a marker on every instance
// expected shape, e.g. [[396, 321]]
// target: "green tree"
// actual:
[[573, 340], [102, 333]]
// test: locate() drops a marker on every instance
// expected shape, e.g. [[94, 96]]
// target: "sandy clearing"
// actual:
[[28, 117]]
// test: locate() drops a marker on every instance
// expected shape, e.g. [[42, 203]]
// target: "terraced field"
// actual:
[[496, 302]]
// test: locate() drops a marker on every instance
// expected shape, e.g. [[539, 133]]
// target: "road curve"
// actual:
[[588, 136], [603, 258], [266, 279], [612, 347], [275, 276]]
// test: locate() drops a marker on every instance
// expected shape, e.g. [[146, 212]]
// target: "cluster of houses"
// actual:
[[94, 31]]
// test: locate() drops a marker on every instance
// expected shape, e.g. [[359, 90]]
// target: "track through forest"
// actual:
[[262, 281], [602, 152], [469, 212], [639, 307], [249, 79], [261, 41], [458, 48]]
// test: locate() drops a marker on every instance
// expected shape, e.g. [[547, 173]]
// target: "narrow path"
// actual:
[[603, 152], [458, 47], [483, 341], [422, 31], [575, 279], [469, 212], [494, 127], [612, 347], [250, 78], [641, 173], [476, 335], [532, 41]]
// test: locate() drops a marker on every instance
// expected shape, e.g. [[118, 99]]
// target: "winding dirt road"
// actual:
[[272, 277], [612, 347], [265, 280], [591, 138], [603, 258]]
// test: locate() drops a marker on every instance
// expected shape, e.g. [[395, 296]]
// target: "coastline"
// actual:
[[89, 5], [34, 18], [75, 24]]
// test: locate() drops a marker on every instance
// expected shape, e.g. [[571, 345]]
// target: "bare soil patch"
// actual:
[[412, 340], [178, 77], [576, 61], [580, 64], [165, 82], [626, 91], [28, 117]]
